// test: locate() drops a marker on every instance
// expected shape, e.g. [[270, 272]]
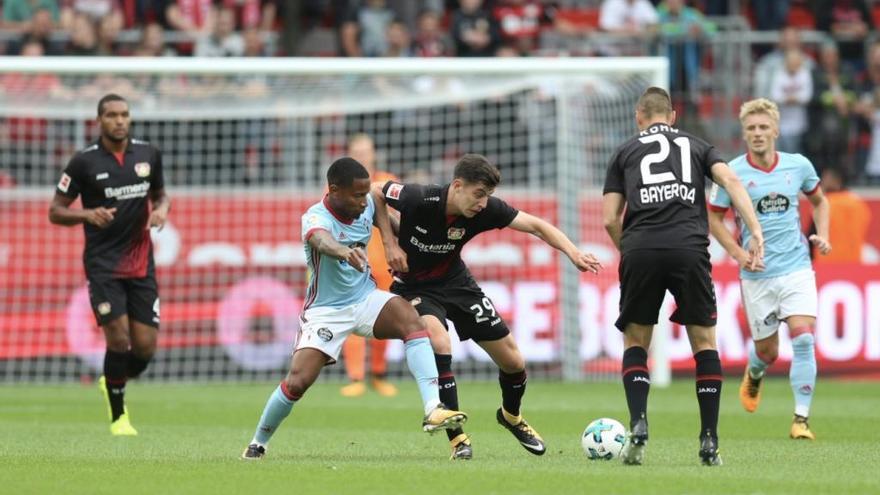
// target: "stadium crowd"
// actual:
[[829, 92]]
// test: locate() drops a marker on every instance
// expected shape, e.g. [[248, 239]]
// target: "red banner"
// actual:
[[226, 260]]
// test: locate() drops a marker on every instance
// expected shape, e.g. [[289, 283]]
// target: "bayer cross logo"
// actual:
[[325, 334]]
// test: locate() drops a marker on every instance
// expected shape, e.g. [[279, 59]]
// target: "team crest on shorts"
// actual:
[[325, 334], [104, 308], [142, 169], [455, 233]]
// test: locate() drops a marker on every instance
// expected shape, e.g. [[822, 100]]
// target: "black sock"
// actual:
[[448, 389], [513, 387], [708, 390], [636, 383], [136, 365], [115, 364]]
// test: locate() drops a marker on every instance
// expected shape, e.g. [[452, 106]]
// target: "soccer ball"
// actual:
[[603, 439]]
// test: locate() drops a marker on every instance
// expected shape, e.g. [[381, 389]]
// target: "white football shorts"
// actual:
[[325, 328], [768, 301]]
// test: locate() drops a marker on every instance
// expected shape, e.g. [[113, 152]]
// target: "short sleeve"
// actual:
[[499, 214], [719, 200], [157, 177], [614, 177], [313, 222], [810, 182], [402, 196], [71, 181], [712, 157]]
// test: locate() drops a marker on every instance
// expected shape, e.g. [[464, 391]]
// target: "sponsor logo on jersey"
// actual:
[[421, 229], [142, 169], [773, 204], [104, 308], [751, 184], [435, 199], [394, 191], [325, 334], [127, 192], [64, 183], [431, 248], [102, 176], [455, 233]]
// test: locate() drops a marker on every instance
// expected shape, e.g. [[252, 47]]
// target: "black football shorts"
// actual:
[[113, 297], [459, 300], [646, 275]]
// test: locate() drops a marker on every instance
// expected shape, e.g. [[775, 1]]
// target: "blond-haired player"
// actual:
[[784, 288]]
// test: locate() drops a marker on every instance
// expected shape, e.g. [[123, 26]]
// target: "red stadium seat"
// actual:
[[801, 16], [582, 19]]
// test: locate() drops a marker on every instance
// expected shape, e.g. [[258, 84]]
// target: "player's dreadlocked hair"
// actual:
[[474, 169], [344, 171], [654, 102], [107, 99]]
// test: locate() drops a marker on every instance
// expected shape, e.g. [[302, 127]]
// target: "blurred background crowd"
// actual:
[[819, 59]]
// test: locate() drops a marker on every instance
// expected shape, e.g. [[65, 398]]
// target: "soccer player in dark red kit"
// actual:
[[435, 223], [123, 195], [660, 175]]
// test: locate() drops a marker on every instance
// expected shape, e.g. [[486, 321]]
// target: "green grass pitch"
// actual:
[[54, 440]]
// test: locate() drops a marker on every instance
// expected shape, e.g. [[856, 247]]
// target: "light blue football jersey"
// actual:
[[774, 195], [333, 282]]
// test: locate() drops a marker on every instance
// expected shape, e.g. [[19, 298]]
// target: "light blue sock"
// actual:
[[420, 360], [802, 374], [756, 365], [277, 408]]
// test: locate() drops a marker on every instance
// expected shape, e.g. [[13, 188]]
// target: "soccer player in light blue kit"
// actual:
[[342, 298], [784, 287]]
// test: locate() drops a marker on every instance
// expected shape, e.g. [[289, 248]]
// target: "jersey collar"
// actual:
[[762, 169], [336, 215]]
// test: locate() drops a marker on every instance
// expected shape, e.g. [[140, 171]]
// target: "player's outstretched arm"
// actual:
[[548, 233], [821, 217], [725, 237], [161, 206], [382, 220], [60, 213], [724, 177], [323, 242], [612, 216]]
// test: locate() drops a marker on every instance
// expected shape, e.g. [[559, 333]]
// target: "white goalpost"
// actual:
[[246, 143]]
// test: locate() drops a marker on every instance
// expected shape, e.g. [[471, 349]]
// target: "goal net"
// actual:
[[246, 144]]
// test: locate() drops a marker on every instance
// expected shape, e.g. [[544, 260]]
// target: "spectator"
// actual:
[[770, 15], [474, 30], [253, 43], [108, 30], [152, 42], [223, 40], [195, 17], [682, 28], [364, 30], [260, 14], [40, 31], [850, 219], [791, 88], [834, 95], [849, 21], [868, 108], [430, 39], [521, 22], [17, 14], [789, 39], [83, 37], [629, 17], [399, 42]]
